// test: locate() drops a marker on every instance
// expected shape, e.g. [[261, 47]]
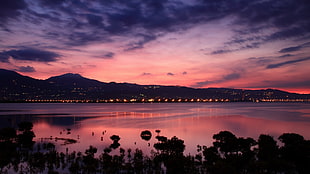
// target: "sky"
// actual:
[[248, 44]]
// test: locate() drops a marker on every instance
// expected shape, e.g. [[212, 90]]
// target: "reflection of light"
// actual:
[[197, 127]]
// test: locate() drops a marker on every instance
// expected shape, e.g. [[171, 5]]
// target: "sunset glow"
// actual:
[[233, 44]]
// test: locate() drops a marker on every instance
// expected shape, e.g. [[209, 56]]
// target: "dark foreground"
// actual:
[[229, 154]]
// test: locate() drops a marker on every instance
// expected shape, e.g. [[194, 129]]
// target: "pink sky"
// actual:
[[227, 44]]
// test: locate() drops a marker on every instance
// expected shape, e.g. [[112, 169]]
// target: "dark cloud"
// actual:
[[289, 33], [232, 76], [95, 20], [84, 38], [238, 45], [239, 48], [286, 55], [250, 45], [298, 84], [108, 55], [258, 61], [225, 78], [184, 73], [4, 58], [31, 55], [202, 84], [146, 74], [53, 2], [305, 83], [278, 13], [26, 69], [282, 19], [290, 49], [294, 48], [141, 42], [221, 51], [277, 65], [11, 9], [84, 22], [170, 74]]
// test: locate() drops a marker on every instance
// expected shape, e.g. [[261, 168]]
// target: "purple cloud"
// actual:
[[26, 69], [277, 65], [30, 55]]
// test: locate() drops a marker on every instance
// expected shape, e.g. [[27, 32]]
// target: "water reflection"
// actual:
[[195, 123], [228, 154]]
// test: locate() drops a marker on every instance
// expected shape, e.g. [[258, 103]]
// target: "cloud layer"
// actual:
[[83, 22], [29, 55], [209, 41]]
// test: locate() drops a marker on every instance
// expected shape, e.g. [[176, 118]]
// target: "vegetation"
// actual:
[[228, 154]]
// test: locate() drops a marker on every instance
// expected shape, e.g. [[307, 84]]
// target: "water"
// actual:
[[195, 123]]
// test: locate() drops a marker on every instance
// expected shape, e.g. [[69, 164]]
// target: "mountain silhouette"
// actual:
[[71, 79], [16, 87]]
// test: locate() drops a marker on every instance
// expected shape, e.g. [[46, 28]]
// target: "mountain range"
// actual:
[[16, 87]]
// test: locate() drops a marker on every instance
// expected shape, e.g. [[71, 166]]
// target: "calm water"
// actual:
[[195, 123]]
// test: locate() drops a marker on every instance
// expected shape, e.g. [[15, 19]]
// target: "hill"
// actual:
[[16, 87]]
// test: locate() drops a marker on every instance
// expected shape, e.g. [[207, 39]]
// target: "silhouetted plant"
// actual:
[[105, 161], [25, 139], [52, 160], [157, 131], [25, 126], [229, 154], [171, 154], [37, 162], [171, 146], [211, 155], [7, 134], [115, 145], [161, 138], [296, 151], [138, 161], [267, 148], [52, 172], [146, 135], [50, 146], [226, 142], [90, 163], [115, 138], [268, 155], [7, 153], [7, 147]]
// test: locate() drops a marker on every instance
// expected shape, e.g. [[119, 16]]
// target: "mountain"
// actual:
[[13, 79], [70, 79], [16, 87]]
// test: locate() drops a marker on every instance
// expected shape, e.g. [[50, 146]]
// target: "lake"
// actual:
[[195, 123]]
